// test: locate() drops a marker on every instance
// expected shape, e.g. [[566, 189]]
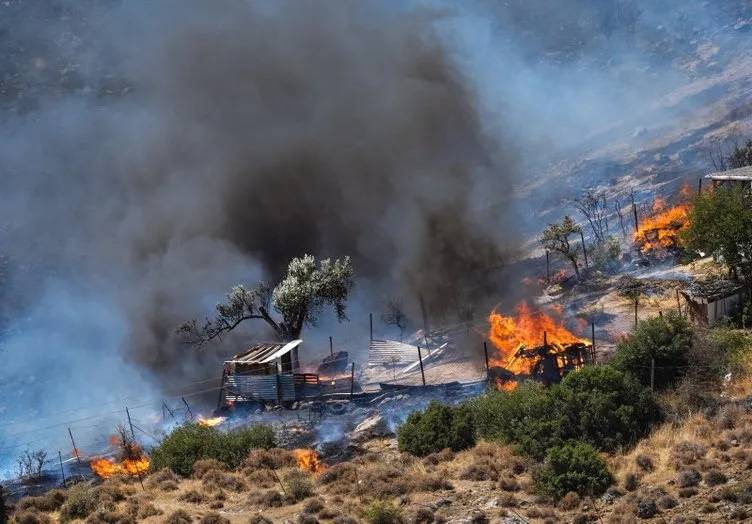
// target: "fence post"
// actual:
[[652, 374], [352, 379], [331, 346], [279, 389], [678, 302], [370, 322], [485, 352], [584, 250], [221, 388], [636, 300], [592, 335], [128, 414], [62, 471], [548, 268], [422, 373], [75, 449]]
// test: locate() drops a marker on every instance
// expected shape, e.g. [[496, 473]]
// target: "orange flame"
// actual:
[[661, 230], [106, 468], [510, 334], [210, 422], [308, 460]]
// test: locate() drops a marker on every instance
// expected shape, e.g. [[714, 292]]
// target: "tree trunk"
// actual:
[[576, 269]]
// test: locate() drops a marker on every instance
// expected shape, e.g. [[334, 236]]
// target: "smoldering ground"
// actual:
[[155, 156]]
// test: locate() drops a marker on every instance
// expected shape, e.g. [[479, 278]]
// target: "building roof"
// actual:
[[742, 174], [264, 352], [712, 290]]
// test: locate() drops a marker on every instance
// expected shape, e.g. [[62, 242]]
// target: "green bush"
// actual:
[[527, 417], [383, 512], [599, 405], [605, 407], [438, 427], [666, 339], [574, 466], [192, 442]]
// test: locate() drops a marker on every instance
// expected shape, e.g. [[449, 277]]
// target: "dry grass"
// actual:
[[203, 466]]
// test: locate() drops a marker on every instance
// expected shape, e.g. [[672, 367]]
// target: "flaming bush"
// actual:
[[662, 230], [132, 459], [308, 460]]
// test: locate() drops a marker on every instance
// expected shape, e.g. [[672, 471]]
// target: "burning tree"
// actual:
[[395, 315], [297, 299], [555, 238]]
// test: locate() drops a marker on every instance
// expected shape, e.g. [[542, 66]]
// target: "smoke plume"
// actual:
[[155, 157]]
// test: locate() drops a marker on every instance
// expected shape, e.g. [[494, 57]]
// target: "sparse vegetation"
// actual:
[[382, 512]]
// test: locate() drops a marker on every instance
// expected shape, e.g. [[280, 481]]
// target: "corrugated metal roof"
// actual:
[[743, 174], [264, 352], [391, 352]]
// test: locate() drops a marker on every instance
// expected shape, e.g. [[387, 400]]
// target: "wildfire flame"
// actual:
[[210, 422], [106, 468], [510, 334], [308, 460], [661, 230]]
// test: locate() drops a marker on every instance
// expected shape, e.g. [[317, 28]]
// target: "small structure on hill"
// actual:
[[712, 300], [266, 372], [548, 363], [741, 176]]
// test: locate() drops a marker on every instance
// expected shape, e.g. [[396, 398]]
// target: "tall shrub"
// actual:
[[605, 407], [438, 427], [666, 339], [527, 417], [192, 442]]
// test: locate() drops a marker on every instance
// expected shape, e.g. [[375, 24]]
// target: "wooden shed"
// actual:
[[713, 300]]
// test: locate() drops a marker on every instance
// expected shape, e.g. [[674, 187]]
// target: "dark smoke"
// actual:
[[155, 156]]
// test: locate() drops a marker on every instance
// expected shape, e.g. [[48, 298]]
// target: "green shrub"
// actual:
[[604, 407], [667, 339], [383, 512], [527, 417], [599, 405], [576, 467], [192, 442], [438, 427]]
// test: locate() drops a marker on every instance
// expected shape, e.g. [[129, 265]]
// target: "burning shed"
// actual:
[[712, 300], [266, 372]]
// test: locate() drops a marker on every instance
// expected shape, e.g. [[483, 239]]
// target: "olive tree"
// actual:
[[296, 301], [556, 238]]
